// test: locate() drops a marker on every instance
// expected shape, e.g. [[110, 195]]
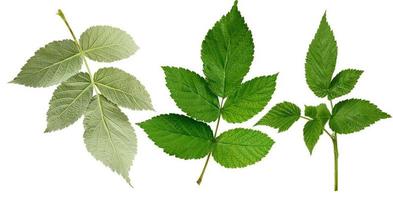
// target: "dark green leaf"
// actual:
[[241, 147], [227, 53], [321, 59], [249, 99], [192, 94], [354, 115], [281, 116], [180, 135]]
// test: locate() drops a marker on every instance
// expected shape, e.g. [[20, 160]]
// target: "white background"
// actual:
[[34, 165]]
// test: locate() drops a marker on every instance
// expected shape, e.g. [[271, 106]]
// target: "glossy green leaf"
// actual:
[[109, 136], [281, 116], [321, 59], [241, 147], [249, 99], [192, 94], [353, 115], [69, 102], [227, 53], [343, 83], [50, 65], [122, 89], [107, 44], [180, 135]]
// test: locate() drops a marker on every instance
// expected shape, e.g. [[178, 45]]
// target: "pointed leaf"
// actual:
[[69, 102], [227, 53], [281, 116], [109, 136], [321, 59], [343, 83], [180, 135], [122, 89], [107, 44], [50, 65], [192, 94], [241, 147], [311, 132], [249, 99], [353, 115]]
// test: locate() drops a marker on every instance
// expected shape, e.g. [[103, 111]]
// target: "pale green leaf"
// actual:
[[109, 136], [192, 94], [50, 65], [69, 102], [281, 116], [321, 59], [241, 147], [343, 83], [122, 89], [311, 132], [107, 44], [249, 99], [227, 53], [353, 115], [180, 135]]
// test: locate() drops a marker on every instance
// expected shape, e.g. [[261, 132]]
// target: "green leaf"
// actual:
[[320, 112], [107, 44], [343, 83], [249, 99], [192, 94], [122, 89], [353, 115], [109, 136], [180, 135], [69, 102], [321, 59], [227, 53], [241, 147], [50, 65], [281, 116], [311, 132]]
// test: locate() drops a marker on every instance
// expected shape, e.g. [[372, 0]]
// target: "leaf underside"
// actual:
[[109, 136], [50, 65], [69, 102]]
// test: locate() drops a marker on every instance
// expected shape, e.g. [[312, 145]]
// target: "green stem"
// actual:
[[335, 148], [62, 16], [199, 181]]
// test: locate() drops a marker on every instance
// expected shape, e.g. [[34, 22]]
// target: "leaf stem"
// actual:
[[331, 104], [335, 149], [62, 16], [199, 181]]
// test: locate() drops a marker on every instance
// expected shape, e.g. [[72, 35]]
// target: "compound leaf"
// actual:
[[122, 89], [50, 65], [343, 83], [107, 44], [249, 99], [109, 136], [241, 147], [281, 116], [353, 115], [227, 53], [69, 102], [321, 59], [192, 94], [180, 135]]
